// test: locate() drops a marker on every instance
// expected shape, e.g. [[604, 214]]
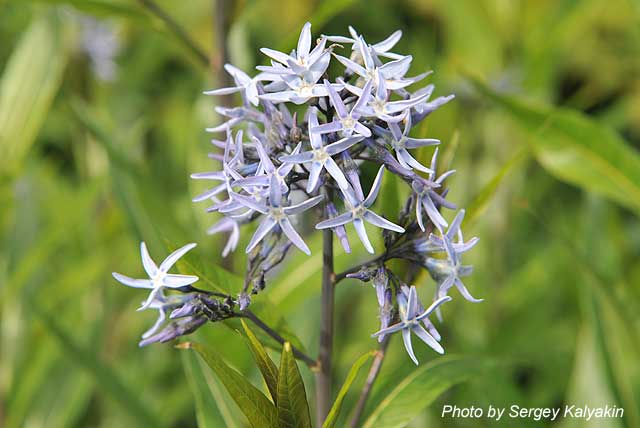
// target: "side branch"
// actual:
[[371, 378]]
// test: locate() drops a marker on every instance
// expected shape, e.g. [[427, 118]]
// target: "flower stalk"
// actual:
[[323, 377]]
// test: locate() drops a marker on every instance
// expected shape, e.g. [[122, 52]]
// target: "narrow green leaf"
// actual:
[[29, 83], [265, 364], [576, 149], [207, 415], [260, 412], [479, 204], [418, 390], [293, 409], [332, 418], [106, 378]]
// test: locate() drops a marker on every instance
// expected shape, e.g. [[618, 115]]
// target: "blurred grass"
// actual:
[[89, 167]]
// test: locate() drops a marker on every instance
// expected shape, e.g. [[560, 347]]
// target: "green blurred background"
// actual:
[[102, 120]]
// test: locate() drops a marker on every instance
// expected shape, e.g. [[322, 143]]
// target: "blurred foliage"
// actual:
[[546, 126]]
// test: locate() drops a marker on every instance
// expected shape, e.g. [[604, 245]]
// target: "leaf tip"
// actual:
[[184, 345]]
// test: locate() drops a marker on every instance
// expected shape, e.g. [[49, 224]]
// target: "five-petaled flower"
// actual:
[[410, 319], [159, 277], [277, 214], [358, 212]]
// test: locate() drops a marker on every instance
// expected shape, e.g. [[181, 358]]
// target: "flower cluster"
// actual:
[[299, 144]]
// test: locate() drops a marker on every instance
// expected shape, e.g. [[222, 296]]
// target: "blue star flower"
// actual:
[[159, 277], [410, 319], [358, 212]]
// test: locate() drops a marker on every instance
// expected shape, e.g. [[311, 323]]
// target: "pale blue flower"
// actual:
[[248, 86], [164, 305], [320, 156], [400, 141], [277, 215], [427, 197], [302, 60], [410, 319], [448, 272], [340, 231], [269, 169], [358, 212], [381, 106], [230, 225], [159, 277], [381, 48], [346, 122], [393, 72]]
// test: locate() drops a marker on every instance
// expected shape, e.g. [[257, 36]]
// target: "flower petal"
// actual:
[[177, 281], [406, 338], [149, 265], [265, 227], [131, 282], [173, 257], [293, 236]]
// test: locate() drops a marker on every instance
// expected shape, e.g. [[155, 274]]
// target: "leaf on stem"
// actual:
[[332, 418], [576, 149], [260, 412], [265, 364], [293, 408], [420, 388]]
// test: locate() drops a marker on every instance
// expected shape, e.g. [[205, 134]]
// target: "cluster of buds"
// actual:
[[298, 145]]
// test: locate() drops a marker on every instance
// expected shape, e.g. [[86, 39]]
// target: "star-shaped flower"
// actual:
[[448, 272], [302, 61], [159, 277], [381, 106], [410, 319], [227, 224], [245, 84], [358, 212], [401, 142], [426, 195], [270, 170], [381, 48], [320, 156], [347, 121], [393, 72], [277, 215]]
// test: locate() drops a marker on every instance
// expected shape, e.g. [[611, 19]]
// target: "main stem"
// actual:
[[323, 377]]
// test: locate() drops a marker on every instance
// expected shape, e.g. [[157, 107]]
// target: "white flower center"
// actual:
[[320, 155], [277, 214], [348, 122]]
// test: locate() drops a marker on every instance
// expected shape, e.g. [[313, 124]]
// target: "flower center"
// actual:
[[277, 213], [320, 155], [348, 122], [306, 89]]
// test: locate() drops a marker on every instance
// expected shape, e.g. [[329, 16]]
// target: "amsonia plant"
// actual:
[[296, 149]]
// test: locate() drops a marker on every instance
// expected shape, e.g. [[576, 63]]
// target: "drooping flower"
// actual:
[[159, 277], [410, 319], [401, 142], [427, 197], [358, 212], [448, 272]]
